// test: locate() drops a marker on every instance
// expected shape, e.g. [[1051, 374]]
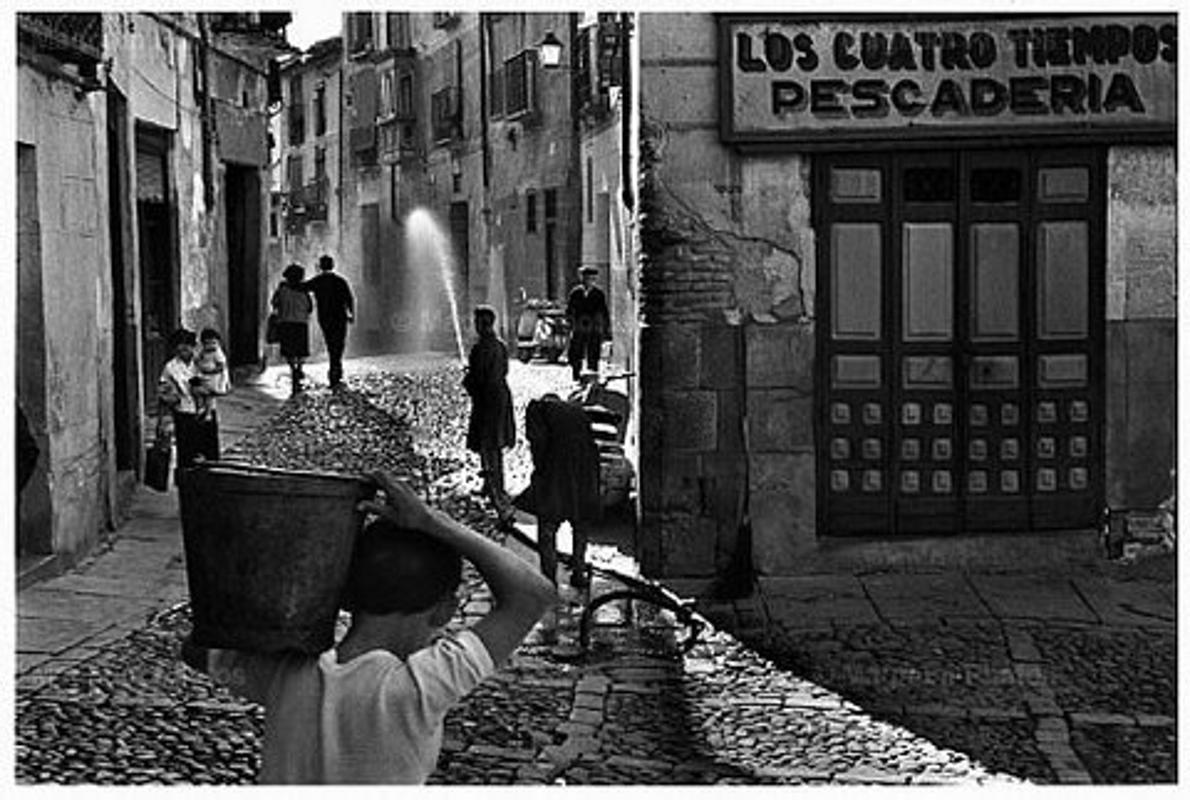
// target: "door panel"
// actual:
[[1067, 367], [926, 445], [967, 397], [854, 437]]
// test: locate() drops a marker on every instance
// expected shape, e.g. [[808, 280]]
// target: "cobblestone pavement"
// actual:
[[966, 700]]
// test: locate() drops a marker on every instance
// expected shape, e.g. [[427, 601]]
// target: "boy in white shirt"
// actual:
[[370, 710]]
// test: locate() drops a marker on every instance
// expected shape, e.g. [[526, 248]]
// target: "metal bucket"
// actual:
[[267, 554]]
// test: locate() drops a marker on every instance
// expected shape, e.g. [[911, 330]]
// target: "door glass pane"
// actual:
[[996, 185], [994, 372], [1062, 262], [928, 267], [855, 280], [928, 185], [851, 185], [855, 372], [995, 257], [928, 372], [1061, 371], [1063, 184]]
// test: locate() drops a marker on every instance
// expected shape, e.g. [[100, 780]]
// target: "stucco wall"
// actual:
[[727, 293], [76, 295], [1141, 324]]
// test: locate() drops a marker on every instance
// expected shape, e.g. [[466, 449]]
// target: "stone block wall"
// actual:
[[1141, 325], [727, 331]]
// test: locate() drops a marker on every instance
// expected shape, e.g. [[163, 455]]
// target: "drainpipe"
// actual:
[[627, 188], [485, 60], [204, 110], [339, 190], [576, 159]]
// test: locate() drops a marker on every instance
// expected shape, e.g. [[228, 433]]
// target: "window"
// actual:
[[404, 101], [445, 108], [359, 33], [387, 97], [530, 212], [520, 84], [274, 214], [398, 31], [316, 194], [320, 110], [319, 163], [590, 190], [293, 173], [297, 111], [551, 204]]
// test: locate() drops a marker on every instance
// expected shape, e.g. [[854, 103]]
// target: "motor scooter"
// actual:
[[608, 410], [542, 330]]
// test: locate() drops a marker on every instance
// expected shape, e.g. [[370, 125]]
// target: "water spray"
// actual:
[[426, 241]]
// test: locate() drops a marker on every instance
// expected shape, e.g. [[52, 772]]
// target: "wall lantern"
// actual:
[[550, 51]]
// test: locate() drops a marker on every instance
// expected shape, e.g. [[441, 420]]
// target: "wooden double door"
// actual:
[[960, 318]]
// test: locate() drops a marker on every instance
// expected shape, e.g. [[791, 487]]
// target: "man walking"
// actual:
[[336, 307], [590, 323]]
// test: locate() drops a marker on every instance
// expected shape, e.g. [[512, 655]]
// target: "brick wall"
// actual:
[[726, 302]]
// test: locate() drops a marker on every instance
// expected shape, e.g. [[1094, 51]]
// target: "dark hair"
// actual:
[[208, 334], [485, 311], [399, 569], [181, 336], [325, 262], [294, 273]]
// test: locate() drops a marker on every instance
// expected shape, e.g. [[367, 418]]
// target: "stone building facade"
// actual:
[[141, 144], [452, 115], [907, 288]]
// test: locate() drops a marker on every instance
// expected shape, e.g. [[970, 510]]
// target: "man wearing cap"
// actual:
[[590, 322]]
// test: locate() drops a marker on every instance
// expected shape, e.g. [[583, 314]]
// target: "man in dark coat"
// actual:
[[491, 427], [565, 481], [336, 308], [590, 323]]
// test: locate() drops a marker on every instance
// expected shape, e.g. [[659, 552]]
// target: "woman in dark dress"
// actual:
[[293, 306], [565, 481], [491, 427]]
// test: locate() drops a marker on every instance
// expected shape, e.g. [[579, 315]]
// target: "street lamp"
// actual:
[[550, 51]]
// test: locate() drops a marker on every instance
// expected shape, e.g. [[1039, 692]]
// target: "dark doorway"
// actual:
[[374, 335], [33, 504], [159, 314], [126, 397], [242, 200]]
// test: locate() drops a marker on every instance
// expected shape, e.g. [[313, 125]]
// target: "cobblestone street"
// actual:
[[882, 679]]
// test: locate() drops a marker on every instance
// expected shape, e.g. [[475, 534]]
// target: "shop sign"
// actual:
[[816, 80]]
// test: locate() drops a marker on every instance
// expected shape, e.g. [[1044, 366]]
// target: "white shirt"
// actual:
[[375, 719], [175, 377]]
